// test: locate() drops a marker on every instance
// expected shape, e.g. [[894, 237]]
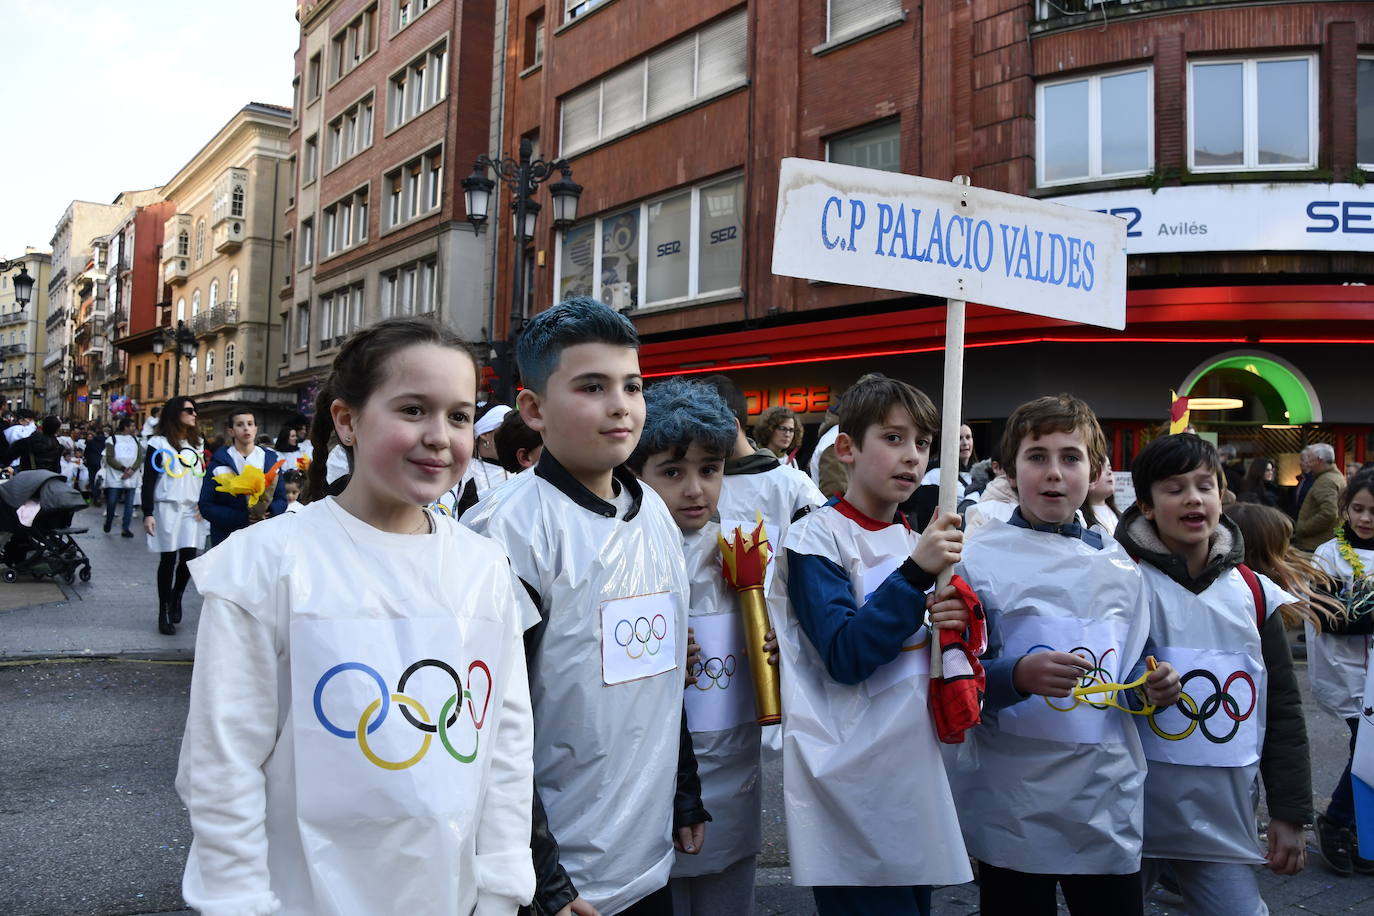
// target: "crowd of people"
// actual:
[[540, 588]]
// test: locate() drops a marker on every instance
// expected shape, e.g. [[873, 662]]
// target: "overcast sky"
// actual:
[[104, 96]]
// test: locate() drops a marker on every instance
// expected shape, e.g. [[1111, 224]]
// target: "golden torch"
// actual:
[[745, 565]]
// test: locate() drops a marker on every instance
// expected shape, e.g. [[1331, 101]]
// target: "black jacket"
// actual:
[[1285, 763], [38, 452]]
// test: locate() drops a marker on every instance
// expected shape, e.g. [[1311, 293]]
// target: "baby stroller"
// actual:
[[36, 509]]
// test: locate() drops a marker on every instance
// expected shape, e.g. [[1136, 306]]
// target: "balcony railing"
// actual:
[[12, 350], [1068, 12], [211, 320], [15, 317]]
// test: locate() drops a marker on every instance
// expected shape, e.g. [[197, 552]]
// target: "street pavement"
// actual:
[[92, 703]]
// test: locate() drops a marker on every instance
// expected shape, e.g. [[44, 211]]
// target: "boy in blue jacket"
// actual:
[[227, 512]]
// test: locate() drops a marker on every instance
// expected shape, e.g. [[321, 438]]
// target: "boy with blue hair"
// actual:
[[614, 775], [688, 435]]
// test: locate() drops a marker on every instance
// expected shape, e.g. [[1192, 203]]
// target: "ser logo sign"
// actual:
[[716, 236]]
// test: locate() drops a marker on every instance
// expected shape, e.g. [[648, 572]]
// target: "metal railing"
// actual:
[[1062, 9], [225, 313]]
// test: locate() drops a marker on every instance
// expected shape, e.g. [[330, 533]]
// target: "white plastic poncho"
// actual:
[[606, 677], [1040, 790], [359, 735], [1200, 792], [776, 494], [867, 798], [180, 472], [1336, 662], [721, 716]]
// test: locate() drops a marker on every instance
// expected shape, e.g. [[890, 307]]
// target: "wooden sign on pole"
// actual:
[[887, 230]]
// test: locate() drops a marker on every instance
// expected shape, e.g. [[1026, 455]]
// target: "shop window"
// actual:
[[877, 147], [854, 17], [1098, 126], [1252, 114], [1364, 112]]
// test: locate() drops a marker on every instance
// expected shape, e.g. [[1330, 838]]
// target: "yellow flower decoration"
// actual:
[[250, 482]]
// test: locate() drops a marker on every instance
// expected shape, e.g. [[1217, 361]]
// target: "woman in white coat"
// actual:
[[172, 474]]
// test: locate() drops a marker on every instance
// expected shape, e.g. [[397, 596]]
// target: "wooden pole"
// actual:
[[951, 418]]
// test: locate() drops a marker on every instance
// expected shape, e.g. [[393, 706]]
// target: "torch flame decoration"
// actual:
[[744, 563], [250, 482]]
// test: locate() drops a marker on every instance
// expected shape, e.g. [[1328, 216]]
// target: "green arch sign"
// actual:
[[1291, 388]]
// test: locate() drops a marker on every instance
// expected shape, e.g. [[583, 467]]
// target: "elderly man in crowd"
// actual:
[[1319, 496]]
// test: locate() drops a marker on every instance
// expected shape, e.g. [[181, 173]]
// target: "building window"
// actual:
[[1100, 126], [354, 42], [351, 132], [533, 51], [854, 17], [302, 325], [194, 371], [698, 66], [307, 247], [340, 314], [183, 244], [345, 223], [1364, 111], [286, 335], [209, 366], [415, 188], [236, 198], [234, 285], [230, 351], [404, 12], [410, 289], [200, 242], [296, 100], [1252, 114], [181, 309], [575, 8], [310, 159], [195, 304], [674, 248], [313, 77], [418, 86], [878, 147], [214, 293]]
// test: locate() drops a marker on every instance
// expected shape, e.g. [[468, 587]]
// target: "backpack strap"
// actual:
[[1256, 590]]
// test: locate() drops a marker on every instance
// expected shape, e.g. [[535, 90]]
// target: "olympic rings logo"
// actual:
[[175, 465], [1220, 701], [440, 508], [714, 672], [1097, 673], [643, 636], [410, 709]]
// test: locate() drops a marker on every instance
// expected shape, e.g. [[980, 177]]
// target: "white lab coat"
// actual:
[[177, 496], [606, 690], [721, 715], [1039, 790], [1337, 662], [778, 494], [317, 626], [867, 798]]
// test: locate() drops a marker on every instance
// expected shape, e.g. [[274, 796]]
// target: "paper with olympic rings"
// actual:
[[1218, 717], [638, 637], [392, 718], [1066, 720], [723, 696]]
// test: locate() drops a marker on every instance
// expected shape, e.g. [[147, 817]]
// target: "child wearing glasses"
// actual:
[[1050, 786], [1239, 716]]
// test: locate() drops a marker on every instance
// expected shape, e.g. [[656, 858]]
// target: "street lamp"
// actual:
[[523, 177], [185, 342], [23, 283]]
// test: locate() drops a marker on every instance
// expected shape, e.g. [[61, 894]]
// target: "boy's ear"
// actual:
[[845, 448], [527, 402]]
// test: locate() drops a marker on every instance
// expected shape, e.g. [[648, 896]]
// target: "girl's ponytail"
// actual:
[[321, 432]]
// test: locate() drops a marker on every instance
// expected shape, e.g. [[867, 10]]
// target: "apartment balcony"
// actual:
[[19, 316], [1053, 14], [228, 235], [176, 249], [12, 350], [96, 346], [222, 315]]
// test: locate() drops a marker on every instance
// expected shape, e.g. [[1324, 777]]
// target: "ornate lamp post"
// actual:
[[523, 177], [185, 343], [23, 283]]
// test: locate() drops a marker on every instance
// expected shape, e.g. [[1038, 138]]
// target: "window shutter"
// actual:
[[723, 61], [671, 73], [622, 99], [580, 112], [850, 16]]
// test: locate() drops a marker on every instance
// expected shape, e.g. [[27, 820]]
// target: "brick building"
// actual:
[[389, 94], [1232, 136], [135, 289]]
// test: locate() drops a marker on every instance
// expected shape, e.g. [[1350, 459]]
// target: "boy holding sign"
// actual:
[[1050, 785], [871, 823], [688, 434], [1240, 715], [614, 775]]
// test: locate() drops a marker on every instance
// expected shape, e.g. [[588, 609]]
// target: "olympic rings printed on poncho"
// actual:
[[1220, 701], [410, 709], [1097, 673], [714, 672], [174, 464], [642, 636]]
